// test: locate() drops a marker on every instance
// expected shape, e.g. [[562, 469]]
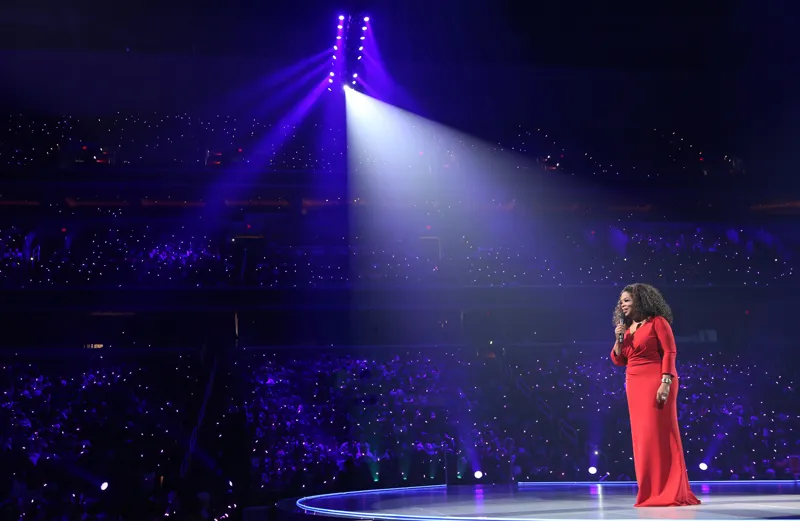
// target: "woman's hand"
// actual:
[[620, 330], [663, 393]]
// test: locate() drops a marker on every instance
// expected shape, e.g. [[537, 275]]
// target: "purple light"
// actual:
[[354, 83], [359, 57], [338, 37], [338, 26], [363, 37], [332, 74], [334, 56], [361, 48], [366, 18], [330, 80], [335, 47], [364, 28], [355, 75], [341, 17]]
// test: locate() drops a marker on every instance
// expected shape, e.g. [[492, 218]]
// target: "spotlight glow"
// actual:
[[104, 486], [335, 47], [366, 18], [363, 37], [332, 74], [341, 17], [361, 48], [339, 27], [364, 28], [703, 466], [478, 474], [592, 470], [355, 75], [390, 136]]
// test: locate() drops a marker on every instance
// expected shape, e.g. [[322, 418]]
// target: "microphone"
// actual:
[[621, 336]]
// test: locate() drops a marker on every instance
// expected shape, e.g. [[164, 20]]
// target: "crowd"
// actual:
[[728, 430], [159, 140], [86, 436], [154, 256], [112, 257], [96, 437], [190, 141], [339, 421], [90, 436], [336, 421]]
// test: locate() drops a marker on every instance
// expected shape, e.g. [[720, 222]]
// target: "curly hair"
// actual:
[[647, 302]]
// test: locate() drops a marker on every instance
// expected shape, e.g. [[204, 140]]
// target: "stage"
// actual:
[[772, 500]]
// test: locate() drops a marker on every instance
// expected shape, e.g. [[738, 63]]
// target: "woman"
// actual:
[[642, 319]]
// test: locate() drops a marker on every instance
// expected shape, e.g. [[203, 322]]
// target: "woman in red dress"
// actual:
[[646, 346]]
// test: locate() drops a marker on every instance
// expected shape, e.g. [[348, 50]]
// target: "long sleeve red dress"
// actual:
[[657, 448]]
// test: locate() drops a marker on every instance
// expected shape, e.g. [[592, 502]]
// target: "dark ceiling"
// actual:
[[640, 34]]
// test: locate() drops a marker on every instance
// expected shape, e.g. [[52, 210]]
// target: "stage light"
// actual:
[[361, 48], [335, 47], [339, 27], [354, 83], [332, 74], [358, 58], [330, 80], [366, 18], [355, 75], [341, 17], [338, 37], [363, 37], [592, 470], [104, 485], [703, 466], [478, 474], [364, 28]]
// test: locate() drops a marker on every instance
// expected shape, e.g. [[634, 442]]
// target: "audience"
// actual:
[[89, 436], [153, 256], [183, 141], [335, 421], [160, 140], [101, 437], [727, 431]]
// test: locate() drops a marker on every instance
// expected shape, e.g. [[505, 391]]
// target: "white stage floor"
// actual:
[[773, 500]]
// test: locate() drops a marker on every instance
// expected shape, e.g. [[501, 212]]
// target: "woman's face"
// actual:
[[626, 304]]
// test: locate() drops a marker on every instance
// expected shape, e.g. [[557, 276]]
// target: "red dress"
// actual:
[[657, 448]]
